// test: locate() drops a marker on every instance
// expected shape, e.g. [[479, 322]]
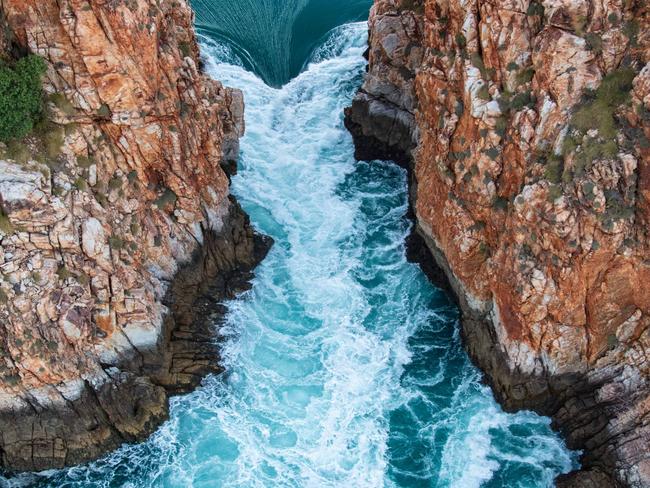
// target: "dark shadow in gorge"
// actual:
[[275, 38]]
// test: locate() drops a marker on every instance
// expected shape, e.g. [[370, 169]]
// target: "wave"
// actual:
[[344, 365]]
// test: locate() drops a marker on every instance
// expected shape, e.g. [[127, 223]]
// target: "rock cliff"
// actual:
[[118, 235], [526, 125]]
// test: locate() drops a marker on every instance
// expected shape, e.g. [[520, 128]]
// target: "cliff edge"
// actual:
[[118, 235], [525, 126]]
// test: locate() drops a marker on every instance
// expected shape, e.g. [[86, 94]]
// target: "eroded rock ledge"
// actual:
[[118, 235], [525, 127]]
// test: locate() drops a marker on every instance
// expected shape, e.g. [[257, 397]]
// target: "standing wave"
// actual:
[[344, 365]]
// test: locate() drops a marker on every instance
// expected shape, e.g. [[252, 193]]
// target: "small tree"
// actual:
[[21, 96]]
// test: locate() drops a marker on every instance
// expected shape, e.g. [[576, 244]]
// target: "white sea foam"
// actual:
[[344, 366]]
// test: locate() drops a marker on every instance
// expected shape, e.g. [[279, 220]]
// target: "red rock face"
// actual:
[[530, 164], [134, 198]]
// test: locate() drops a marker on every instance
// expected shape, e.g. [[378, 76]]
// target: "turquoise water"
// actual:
[[275, 38], [344, 364]]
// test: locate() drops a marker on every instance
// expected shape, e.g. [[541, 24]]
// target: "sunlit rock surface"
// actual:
[[108, 251], [537, 214]]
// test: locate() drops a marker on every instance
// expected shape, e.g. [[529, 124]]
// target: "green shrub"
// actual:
[[516, 101], [598, 113], [184, 48], [81, 184], [525, 76], [414, 5], [62, 103], [612, 341], [501, 126], [461, 41], [21, 96], [168, 197], [535, 9], [114, 183], [134, 228], [493, 153], [616, 206], [631, 31], [5, 224], [101, 199], [460, 108], [63, 273], [521, 100], [553, 170], [592, 150], [512, 66], [484, 93], [18, 152], [554, 192], [85, 161], [477, 62], [580, 24], [83, 279], [103, 111], [484, 249], [70, 129], [116, 243], [500, 203], [594, 42], [588, 188], [53, 141]]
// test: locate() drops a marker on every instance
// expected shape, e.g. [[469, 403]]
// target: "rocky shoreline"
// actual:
[[434, 100], [77, 422], [119, 238]]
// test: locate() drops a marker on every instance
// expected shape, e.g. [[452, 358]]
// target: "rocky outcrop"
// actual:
[[526, 128], [118, 236]]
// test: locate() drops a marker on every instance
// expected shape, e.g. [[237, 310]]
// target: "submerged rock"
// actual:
[[525, 126], [120, 237]]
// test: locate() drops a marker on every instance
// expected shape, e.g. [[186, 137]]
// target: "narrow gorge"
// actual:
[[140, 350]]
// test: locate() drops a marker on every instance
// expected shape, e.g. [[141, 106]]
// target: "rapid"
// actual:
[[344, 365]]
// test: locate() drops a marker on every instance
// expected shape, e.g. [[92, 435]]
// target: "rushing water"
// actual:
[[344, 365], [274, 38]]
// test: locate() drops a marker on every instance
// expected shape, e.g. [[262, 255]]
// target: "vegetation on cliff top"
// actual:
[[27, 127], [21, 96]]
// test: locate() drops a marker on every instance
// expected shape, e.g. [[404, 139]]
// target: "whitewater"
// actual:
[[344, 365]]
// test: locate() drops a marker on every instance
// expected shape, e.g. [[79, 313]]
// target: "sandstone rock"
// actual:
[[543, 239], [94, 243], [96, 238]]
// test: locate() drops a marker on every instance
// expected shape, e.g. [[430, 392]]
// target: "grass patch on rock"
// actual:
[[594, 128], [6, 227]]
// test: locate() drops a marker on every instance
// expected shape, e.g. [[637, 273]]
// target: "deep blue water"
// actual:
[[344, 364], [275, 38]]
